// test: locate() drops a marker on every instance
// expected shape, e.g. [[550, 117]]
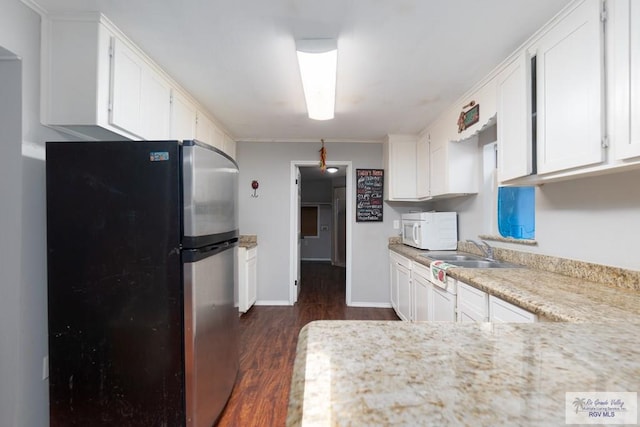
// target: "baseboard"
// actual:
[[316, 259], [371, 304], [272, 303]]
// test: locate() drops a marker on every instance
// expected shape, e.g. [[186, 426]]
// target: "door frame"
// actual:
[[294, 262]]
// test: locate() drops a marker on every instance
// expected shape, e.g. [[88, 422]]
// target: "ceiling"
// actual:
[[400, 62]]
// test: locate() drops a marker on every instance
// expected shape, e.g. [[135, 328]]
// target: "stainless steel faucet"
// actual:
[[486, 250]]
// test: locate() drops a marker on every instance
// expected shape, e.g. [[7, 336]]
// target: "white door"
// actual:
[[339, 227], [298, 210]]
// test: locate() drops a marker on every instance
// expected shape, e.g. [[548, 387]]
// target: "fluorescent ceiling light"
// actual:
[[332, 169], [318, 61]]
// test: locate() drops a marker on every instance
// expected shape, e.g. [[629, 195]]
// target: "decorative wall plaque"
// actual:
[[469, 116], [369, 195]]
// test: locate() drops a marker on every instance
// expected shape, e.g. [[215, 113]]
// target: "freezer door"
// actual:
[[211, 332], [210, 187]]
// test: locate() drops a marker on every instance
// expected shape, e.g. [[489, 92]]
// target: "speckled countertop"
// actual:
[[550, 295], [248, 241], [355, 373]]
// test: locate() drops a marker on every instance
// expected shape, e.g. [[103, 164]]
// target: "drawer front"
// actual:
[[502, 311]]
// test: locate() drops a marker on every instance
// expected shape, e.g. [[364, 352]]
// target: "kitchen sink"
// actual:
[[451, 256], [482, 263], [461, 259]]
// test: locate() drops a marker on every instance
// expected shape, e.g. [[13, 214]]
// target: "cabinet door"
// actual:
[[421, 297], [444, 305], [252, 277], [393, 282], [438, 159], [423, 168], [140, 97], [402, 169], [473, 304], [126, 88], [404, 293], [205, 129], [570, 91], [183, 117], [625, 79], [514, 120], [503, 312], [155, 106]]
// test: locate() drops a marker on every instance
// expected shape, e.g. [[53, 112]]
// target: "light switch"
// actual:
[[396, 224]]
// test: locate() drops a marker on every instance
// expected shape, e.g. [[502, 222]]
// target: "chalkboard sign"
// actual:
[[369, 195]]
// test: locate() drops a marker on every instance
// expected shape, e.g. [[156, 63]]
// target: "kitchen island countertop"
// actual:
[[352, 373]]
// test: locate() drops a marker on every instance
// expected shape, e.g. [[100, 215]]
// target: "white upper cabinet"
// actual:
[[453, 165], [624, 77], [513, 86], [569, 85], [183, 117], [205, 129], [140, 97], [400, 165], [478, 108], [97, 84], [423, 165]]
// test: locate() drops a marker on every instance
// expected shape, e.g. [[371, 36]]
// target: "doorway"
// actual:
[[320, 229]]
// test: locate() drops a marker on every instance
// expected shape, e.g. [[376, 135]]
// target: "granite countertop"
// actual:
[[248, 241], [353, 373], [551, 296]]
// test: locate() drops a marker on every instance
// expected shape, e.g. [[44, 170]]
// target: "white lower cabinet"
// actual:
[[247, 278], [422, 297], [393, 281], [415, 297], [444, 304], [473, 304], [404, 293], [503, 312], [401, 293]]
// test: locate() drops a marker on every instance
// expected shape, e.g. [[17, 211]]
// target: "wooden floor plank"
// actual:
[[268, 339]]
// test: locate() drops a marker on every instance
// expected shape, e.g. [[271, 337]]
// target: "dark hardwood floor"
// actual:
[[268, 338]]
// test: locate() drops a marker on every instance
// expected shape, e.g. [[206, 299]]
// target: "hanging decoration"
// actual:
[[469, 115], [254, 185], [323, 157]]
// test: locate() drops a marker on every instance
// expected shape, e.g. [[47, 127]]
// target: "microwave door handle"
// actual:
[[415, 232]]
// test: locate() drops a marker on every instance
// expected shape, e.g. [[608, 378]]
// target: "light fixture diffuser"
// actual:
[[318, 61]]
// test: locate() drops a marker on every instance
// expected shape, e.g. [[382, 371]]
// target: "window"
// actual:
[[516, 212]]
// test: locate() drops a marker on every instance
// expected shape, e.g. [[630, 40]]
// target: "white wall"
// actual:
[[594, 219], [10, 230], [23, 306], [268, 217]]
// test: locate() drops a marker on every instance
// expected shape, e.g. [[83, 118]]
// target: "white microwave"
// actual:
[[430, 230]]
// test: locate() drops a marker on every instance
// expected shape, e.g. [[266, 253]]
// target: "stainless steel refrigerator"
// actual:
[[141, 239]]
